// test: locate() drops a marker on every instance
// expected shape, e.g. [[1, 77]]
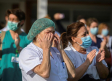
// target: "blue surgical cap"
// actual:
[[38, 26]]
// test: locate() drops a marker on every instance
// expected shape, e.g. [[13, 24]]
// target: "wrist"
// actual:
[[98, 63], [102, 48], [87, 62], [46, 49]]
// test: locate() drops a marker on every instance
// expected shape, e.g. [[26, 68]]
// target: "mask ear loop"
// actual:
[[77, 42], [19, 25]]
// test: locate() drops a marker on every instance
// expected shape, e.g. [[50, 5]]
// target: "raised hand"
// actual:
[[17, 40], [46, 42], [100, 56], [103, 43], [91, 56], [58, 42]]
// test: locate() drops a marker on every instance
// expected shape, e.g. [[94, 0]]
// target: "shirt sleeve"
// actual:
[[28, 59]]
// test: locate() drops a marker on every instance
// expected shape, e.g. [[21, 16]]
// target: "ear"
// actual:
[[73, 39], [22, 22]]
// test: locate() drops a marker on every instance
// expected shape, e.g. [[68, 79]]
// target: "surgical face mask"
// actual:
[[86, 42], [94, 31], [105, 32], [13, 25]]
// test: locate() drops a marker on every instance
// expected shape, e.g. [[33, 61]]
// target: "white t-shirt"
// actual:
[[31, 56], [78, 59]]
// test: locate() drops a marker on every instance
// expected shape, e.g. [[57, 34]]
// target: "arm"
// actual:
[[44, 68], [101, 68], [69, 64], [58, 17], [80, 71], [83, 68], [60, 26], [103, 47]]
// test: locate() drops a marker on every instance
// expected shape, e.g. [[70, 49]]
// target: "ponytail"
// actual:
[[64, 40]]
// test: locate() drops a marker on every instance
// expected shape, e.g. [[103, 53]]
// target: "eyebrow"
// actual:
[[50, 31]]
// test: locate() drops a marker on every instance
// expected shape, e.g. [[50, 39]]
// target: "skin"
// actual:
[[102, 70], [44, 40], [93, 37], [83, 20], [15, 34]]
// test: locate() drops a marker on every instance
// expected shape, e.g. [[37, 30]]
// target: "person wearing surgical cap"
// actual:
[[39, 61]]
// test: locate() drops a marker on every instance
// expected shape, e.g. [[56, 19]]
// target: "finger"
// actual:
[[52, 37], [48, 36], [99, 51], [101, 59], [93, 52], [39, 38]]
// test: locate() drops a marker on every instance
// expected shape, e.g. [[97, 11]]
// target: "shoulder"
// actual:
[[70, 52], [29, 50]]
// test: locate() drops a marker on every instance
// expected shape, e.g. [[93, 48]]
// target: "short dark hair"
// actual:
[[19, 13]]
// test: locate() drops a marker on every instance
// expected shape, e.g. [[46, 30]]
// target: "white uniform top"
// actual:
[[78, 59], [31, 56]]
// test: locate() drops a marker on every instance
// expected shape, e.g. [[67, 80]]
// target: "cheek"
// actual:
[[79, 41]]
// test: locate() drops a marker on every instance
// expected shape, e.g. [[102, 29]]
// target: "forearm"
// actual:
[[81, 70], [102, 70], [19, 49], [69, 64], [107, 53], [44, 68]]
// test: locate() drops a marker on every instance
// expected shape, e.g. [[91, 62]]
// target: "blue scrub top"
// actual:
[[97, 44]]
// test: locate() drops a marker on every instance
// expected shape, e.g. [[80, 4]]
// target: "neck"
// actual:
[[93, 37], [79, 48], [37, 44], [17, 31]]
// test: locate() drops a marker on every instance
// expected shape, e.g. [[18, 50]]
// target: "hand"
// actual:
[[91, 56], [17, 40], [46, 42], [103, 43], [58, 16], [57, 42], [100, 56]]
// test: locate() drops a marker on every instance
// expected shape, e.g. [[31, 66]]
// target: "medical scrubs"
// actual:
[[9, 71]]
